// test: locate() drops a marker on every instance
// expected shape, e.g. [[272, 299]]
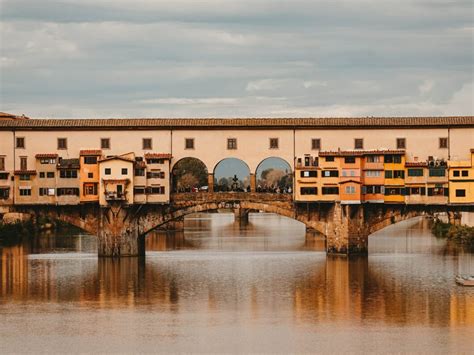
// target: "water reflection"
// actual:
[[268, 274]]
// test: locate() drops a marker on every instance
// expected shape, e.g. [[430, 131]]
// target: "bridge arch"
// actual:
[[231, 174], [273, 173], [188, 173]]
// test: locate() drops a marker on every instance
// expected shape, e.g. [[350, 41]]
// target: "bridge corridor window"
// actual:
[[2, 163], [189, 143], [308, 190], [443, 142], [273, 143], [231, 143], [20, 142], [23, 163], [358, 143], [147, 144], [316, 143], [105, 143], [401, 143], [62, 143], [275, 175]]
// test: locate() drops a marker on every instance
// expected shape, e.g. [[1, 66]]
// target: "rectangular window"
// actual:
[[437, 172], [350, 190], [465, 173], [124, 171], [147, 143], [156, 190], [358, 143], [460, 193], [90, 189], [373, 159], [231, 143], [25, 177], [399, 174], [189, 143], [68, 174], [373, 173], [105, 143], [139, 190], [401, 143], [330, 190], [273, 143], [62, 143], [41, 175], [68, 191], [90, 160], [390, 191], [25, 191], [3, 176], [308, 190], [311, 173], [397, 159], [46, 191], [415, 191], [90, 175], [388, 174], [139, 172], [107, 171], [2, 163], [373, 189], [48, 161], [443, 142], [155, 175], [50, 174], [330, 173], [456, 173], [20, 142], [23, 163], [415, 172], [155, 161], [4, 193], [349, 160], [316, 143], [329, 159]]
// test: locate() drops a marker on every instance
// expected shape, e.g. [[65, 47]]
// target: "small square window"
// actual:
[[401, 143], [50, 174], [465, 173], [456, 173], [107, 171], [329, 159], [62, 143], [273, 143], [20, 142], [316, 143], [231, 143], [124, 171], [105, 143], [189, 143], [443, 143], [358, 143], [42, 175], [90, 175], [460, 193], [147, 143]]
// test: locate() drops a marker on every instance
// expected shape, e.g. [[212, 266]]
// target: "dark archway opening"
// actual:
[[189, 175], [231, 174], [274, 175]]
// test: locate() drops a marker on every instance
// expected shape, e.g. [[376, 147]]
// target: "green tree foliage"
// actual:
[[188, 168]]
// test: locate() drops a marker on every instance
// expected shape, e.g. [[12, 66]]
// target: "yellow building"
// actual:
[[461, 181], [116, 179], [394, 166], [89, 175]]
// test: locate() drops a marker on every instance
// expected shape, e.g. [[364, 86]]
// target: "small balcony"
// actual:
[[115, 196]]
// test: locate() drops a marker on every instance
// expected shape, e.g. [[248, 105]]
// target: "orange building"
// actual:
[[373, 179], [89, 175], [350, 187]]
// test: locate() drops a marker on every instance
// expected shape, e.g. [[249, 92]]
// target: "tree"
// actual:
[[188, 180], [190, 166]]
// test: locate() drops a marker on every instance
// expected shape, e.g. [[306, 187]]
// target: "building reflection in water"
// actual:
[[215, 267]]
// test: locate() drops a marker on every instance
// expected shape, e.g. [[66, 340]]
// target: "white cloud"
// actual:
[[426, 87]]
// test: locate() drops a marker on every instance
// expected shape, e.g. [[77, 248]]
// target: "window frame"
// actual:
[[62, 140], [358, 140], [23, 140], [315, 143], [146, 146], [272, 141], [443, 143], [192, 146], [401, 140], [103, 140], [231, 143]]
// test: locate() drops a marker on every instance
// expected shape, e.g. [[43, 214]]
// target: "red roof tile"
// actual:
[[413, 164], [341, 153], [90, 152], [158, 155], [25, 172], [46, 155]]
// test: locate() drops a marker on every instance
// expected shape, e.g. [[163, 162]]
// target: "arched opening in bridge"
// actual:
[[274, 175], [231, 174], [189, 175]]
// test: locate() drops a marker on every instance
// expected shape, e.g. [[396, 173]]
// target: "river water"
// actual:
[[226, 287]]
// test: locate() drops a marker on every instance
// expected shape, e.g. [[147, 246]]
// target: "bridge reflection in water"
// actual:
[[219, 277]]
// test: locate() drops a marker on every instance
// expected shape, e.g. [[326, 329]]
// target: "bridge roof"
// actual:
[[236, 123]]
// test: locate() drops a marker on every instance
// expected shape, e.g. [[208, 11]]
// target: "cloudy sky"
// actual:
[[223, 58]]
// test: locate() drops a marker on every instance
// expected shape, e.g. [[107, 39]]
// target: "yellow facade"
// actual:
[[89, 175], [461, 181], [394, 166]]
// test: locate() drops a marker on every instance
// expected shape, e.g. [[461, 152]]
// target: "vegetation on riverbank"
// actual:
[[15, 232], [461, 234]]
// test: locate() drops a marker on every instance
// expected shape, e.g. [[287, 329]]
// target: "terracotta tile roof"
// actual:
[[90, 152], [197, 123], [46, 155], [413, 164], [343, 153], [116, 157], [115, 181], [158, 155], [25, 172]]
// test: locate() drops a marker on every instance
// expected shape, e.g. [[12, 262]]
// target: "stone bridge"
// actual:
[[121, 229]]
